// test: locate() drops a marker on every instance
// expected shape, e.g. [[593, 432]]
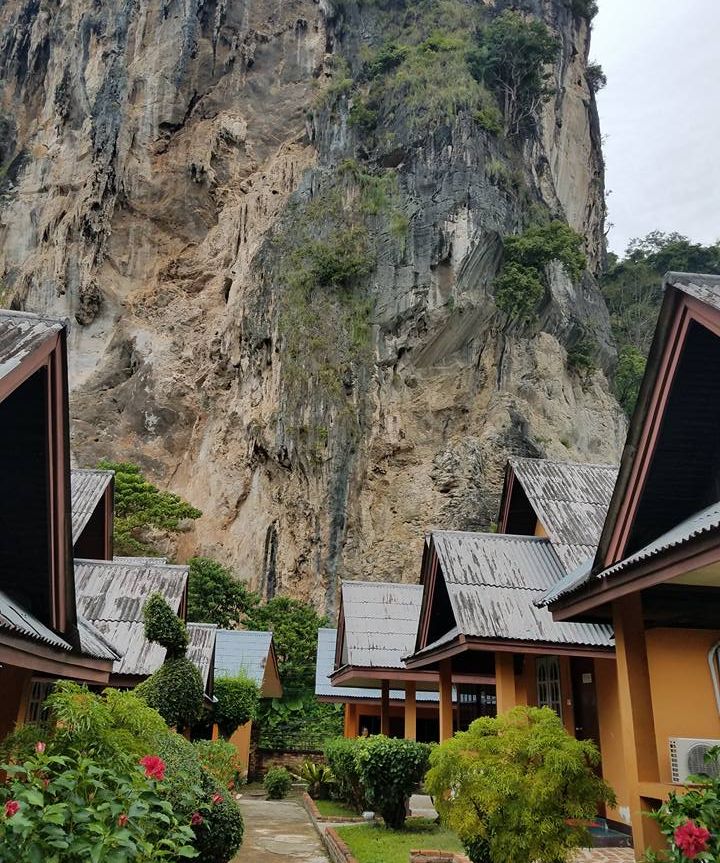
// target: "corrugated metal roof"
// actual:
[[93, 642], [570, 500], [568, 583], [242, 651], [324, 667], [22, 333], [86, 490], [702, 286], [381, 621], [493, 581], [136, 561], [201, 647], [14, 618], [112, 596]]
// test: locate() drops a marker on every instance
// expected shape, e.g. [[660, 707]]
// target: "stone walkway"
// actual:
[[606, 855], [278, 830]]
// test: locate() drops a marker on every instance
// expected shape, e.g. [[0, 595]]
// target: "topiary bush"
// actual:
[[237, 702], [390, 770], [164, 627], [277, 783], [176, 691], [341, 756], [514, 788]]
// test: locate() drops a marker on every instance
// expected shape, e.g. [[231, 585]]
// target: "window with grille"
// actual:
[[549, 690], [39, 691]]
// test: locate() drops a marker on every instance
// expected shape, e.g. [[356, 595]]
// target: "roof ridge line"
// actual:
[[602, 464]]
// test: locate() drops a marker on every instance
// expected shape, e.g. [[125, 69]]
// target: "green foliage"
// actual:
[[219, 758], [74, 807], [220, 835], [597, 79], [361, 116], [298, 721], [516, 781], [700, 806], [490, 119], [176, 691], [581, 357], [237, 702], [214, 596], [632, 287], [277, 783], [319, 778], [510, 59], [390, 770], [294, 625], [371, 843], [587, 9], [518, 291], [339, 261], [141, 508], [164, 627], [341, 756]]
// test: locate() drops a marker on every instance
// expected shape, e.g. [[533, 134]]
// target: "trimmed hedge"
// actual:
[[164, 627], [237, 702], [176, 691]]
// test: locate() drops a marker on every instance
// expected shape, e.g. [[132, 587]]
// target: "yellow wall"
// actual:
[[682, 693], [240, 739], [14, 689], [613, 761]]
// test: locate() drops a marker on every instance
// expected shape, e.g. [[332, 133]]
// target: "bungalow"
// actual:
[[92, 494], [42, 636], [656, 573]]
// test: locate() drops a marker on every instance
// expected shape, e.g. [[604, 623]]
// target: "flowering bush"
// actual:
[[62, 809], [691, 821]]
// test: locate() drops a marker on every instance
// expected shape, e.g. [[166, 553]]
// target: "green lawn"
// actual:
[[335, 809], [371, 843]]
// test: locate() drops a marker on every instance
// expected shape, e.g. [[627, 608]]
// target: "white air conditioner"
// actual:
[[687, 758]]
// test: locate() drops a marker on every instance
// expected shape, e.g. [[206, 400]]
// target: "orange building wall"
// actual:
[[682, 692], [14, 686], [240, 739], [613, 761]]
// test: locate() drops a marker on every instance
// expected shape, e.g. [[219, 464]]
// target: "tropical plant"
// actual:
[[237, 702], [67, 808], [214, 596], [319, 778], [298, 721], [141, 509], [389, 771], [691, 821], [220, 759], [516, 788], [277, 783]]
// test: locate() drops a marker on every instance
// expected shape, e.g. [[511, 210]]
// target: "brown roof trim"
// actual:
[[37, 657], [342, 675]]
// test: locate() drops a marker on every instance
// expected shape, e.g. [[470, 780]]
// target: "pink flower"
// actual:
[[196, 819], [154, 767], [217, 798], [39, 747], [12, 807], [691, 839], [122, 820]]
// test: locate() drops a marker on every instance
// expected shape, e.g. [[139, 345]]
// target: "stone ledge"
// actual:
[[337, 850], [317, 816]]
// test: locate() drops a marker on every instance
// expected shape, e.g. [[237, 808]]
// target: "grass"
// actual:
[[371, 843], [335, 809]]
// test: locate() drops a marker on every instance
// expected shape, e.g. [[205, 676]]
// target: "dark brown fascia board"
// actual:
[[342, 675], [466, 643], [658, 570], [24, 653]]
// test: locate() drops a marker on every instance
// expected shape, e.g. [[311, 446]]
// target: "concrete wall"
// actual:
[[611, 747]]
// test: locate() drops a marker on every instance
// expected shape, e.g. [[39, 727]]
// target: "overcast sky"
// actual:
[[660, 116]]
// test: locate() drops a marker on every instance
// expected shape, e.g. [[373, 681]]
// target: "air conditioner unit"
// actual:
[[687, 758]]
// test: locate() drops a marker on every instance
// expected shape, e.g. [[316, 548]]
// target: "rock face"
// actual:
[[162, 165]]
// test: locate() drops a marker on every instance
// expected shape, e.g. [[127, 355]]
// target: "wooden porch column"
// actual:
[[410, 711], [446, 705], [568, 708], [350, 726], [385, 708], [636, 716], [505, 682]]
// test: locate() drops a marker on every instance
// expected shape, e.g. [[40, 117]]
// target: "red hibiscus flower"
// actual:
[[122, 820], [196, 819], [12, 807], [39, 747], [217, 798], [691, 839], [154, 767]]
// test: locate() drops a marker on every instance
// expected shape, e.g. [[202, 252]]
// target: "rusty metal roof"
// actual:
[[380, 621], [112, 595], [22, 333], [87, 488], [15, 618], [201, 649], [570, 500], [493, 581]]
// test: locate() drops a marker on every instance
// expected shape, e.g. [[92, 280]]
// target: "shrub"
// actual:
[[74, 807], [341, 755], [541, 244], [518, 291], [691, 821], [628, 377], [221, 833], [277, 783], [581, 357], [390, 770], [512, 784], [218, 758], [319, 778], [176, 691], [214, 596], [597, 79], [237, 702], [164, 627]]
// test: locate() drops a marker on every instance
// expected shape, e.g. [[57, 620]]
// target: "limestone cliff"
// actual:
[[168, 168]]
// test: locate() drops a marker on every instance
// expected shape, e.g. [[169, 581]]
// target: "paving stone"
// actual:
[[278, 830]]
